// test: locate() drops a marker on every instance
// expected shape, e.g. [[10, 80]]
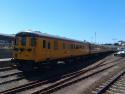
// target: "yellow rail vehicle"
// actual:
[[34, 48], [38, 47]]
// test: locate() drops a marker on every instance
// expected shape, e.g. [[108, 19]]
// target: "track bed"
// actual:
[[56, 80]]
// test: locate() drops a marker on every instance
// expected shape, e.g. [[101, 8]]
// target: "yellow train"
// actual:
[[32, 49]]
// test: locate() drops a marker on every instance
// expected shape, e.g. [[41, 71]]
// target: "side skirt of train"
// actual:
[[29, 65]]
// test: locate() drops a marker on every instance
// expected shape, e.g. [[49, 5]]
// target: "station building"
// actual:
[[6, 40]]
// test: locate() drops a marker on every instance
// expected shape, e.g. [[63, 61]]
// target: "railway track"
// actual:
[[64, 81], [11, 78], [76, 77], [115, 85], [11, 74], [6, 68]]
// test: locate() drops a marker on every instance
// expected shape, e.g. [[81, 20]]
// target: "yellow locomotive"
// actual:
[[33, 48]]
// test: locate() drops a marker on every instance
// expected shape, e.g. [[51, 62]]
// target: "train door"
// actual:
[[33, 47]]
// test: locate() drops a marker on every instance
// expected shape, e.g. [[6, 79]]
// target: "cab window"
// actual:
[[23, 41], [33, 42]]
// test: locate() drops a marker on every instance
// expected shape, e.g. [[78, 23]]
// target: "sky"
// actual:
[[100, 21]]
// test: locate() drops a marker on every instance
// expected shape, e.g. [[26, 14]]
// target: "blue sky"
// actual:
[[77, 19]]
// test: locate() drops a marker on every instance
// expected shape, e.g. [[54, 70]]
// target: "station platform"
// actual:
[[5, 59]]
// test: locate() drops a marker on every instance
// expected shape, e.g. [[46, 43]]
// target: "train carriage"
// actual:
[[39, 47], [33, 48]]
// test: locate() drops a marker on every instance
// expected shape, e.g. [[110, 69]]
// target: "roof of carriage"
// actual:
[[40, 34]]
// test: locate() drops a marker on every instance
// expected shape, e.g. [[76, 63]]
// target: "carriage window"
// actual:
[[63, 46], [49, 45], [23, 41], [44, 43], [33, 42], [55, 44]]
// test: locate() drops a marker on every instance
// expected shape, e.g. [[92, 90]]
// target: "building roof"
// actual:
[[7, 37]]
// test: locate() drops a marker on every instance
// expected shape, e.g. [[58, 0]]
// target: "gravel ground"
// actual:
[[14, 77], [8, 79], [24, 81], [8, 72], [82, 86], [13, 84]]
